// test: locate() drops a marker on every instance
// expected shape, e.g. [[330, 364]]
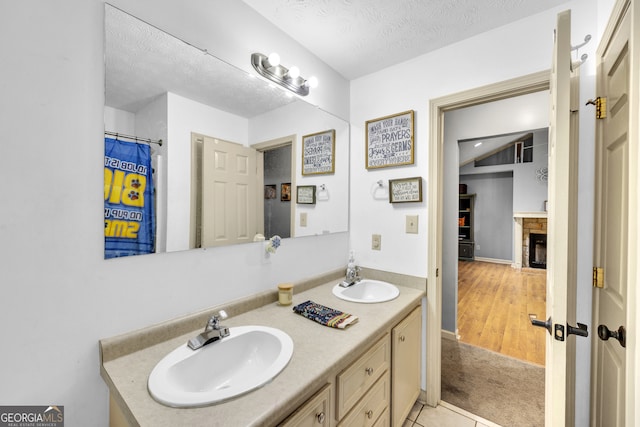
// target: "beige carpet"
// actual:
[[496, 387]]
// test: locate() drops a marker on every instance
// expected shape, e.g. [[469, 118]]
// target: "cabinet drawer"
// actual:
[[373, 408], [315, 412], [354, 381]]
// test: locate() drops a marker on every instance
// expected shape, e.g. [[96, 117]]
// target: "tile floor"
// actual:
[[445, 415]]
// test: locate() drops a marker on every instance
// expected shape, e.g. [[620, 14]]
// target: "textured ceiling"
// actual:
[[143, 63], [354, 37], [359, 37]]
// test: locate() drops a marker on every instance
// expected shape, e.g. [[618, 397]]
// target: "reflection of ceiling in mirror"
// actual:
[[143, 62]]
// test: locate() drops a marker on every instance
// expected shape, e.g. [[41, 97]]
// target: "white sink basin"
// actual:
[[367, 291], [248, 358]]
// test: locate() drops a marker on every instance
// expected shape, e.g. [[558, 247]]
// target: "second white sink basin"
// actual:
[[247, 359], [367, 291]]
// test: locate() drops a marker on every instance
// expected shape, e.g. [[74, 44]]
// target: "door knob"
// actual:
[[604, 333]]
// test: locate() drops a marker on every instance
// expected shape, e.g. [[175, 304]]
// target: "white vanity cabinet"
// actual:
[[366, 375], [315, 412], [363, 387], [405, 366]]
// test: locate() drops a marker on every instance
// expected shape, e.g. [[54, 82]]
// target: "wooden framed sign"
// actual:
[[306, 194], [389, 141], [405, 190], [318, 153]]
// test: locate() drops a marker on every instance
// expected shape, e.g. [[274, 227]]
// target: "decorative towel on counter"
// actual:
[[325, 315]]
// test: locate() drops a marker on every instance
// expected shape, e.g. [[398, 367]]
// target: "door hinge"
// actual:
[[598, 277], [437, 272], [601, 106]]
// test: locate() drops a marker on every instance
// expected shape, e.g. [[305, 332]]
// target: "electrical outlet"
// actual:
[[303, 219], [412, 224], [477, 246], [376, 242]]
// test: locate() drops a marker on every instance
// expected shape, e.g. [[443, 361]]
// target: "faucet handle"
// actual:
[[214, 320]]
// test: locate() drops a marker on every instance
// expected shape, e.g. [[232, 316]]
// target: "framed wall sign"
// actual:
[[285, 192], [306, 194], [270, 191], [318, 153], [405, 190], [389, 141]]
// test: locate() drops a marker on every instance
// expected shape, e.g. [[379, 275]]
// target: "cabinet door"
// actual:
[[405, 366], [316, 412]]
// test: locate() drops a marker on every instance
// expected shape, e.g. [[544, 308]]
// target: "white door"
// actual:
[[615, 193], [562, 233], [229, 185]]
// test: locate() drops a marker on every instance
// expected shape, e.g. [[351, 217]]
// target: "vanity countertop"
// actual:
[[319, 352]]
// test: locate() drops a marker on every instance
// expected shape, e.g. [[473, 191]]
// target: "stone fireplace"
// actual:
[[528, 224]]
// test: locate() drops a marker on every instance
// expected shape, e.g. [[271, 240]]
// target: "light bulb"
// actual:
[[312, 82], [274, 59], [294, 72]]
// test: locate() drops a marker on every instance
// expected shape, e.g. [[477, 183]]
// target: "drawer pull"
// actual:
[[369, 413], [369, 371], [320, 417], [402, 338]]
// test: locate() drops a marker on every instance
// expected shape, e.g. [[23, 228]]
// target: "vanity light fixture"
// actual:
[[289, 78]]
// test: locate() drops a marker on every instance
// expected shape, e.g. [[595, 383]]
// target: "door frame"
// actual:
[[524, 85], [271, 144]]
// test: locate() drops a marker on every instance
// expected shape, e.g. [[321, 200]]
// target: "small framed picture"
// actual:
[[306, 194], [269, 191], [285, 192], [405, 190]]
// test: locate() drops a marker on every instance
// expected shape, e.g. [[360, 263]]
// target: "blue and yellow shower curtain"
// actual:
[[129, 217]]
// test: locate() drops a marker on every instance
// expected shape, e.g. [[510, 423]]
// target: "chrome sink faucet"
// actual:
[[212, 332], [352, 275]]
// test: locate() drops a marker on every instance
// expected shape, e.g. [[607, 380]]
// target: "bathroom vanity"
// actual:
[[365, 375]]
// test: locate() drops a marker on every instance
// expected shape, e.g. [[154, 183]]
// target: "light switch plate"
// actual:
[[412, 224], [303, 219], [376, 242]]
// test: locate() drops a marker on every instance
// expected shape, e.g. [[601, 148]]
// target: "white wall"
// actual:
[[186, 116], [331, 211], [517, 49], [59, 295]]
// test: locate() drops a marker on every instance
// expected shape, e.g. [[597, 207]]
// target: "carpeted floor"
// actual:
[[496, 387]]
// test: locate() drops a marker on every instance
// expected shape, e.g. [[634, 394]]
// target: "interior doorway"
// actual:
[[276, 165], [485, 301], [437, 226]]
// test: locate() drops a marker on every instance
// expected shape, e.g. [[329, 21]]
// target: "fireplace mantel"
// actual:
[[517, 234], [517, 215]]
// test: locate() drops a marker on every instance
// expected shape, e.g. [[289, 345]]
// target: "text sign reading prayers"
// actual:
[[390, 140], [129, 218], [318, 152]]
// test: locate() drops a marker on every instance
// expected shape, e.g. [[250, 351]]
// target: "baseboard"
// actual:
[[450, 335], [494, 260]]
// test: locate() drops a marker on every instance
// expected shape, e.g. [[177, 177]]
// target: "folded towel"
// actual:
[[325, 315]]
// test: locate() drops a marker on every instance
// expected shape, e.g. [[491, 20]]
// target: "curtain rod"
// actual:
[[135, 138]]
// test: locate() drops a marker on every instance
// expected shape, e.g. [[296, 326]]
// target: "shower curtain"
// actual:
[[129, 217]]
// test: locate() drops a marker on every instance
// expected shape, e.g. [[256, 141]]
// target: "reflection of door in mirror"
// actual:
[[276, 166], [277, 210], [224, 188]]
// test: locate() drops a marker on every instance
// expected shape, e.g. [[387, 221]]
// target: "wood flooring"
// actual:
[[494, 302]]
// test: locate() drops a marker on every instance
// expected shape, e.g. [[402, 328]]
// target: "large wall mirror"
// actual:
[[204, 110]]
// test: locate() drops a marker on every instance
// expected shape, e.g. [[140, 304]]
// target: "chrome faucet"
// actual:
[[352, 276], [212, 332]]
